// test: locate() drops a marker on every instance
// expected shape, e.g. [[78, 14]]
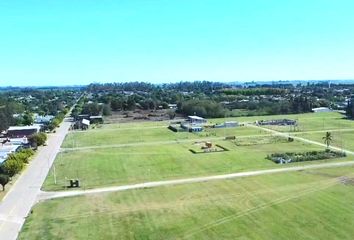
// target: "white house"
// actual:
[[196, 120]]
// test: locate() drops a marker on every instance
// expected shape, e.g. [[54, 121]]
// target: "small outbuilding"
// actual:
[[85, 124], [196, 120]]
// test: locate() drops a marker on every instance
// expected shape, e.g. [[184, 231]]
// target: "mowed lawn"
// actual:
[[342, 139], [135, 164], [118, 154], [120, 134], [308, 122], [316, 204]]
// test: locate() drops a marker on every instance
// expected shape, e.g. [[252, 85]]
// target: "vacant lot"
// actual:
[[314, 204]]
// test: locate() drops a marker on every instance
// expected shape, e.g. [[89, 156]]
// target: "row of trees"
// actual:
[[203, 108], [195, 86], [251, 100], [14, 164], [255, 91], [350, 108]]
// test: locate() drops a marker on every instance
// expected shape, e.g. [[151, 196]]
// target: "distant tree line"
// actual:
[[213, 99], [254, 91], [350, 108], [202, 108]]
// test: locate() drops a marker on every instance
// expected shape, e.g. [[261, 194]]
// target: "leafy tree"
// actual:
[[27, 119], [12, 166], [116, 104], [91, 109], [4, 179], [106, 110], [202, 108], [130, 104], [37, 139], [171, 114], [328, 139], [350, 109]]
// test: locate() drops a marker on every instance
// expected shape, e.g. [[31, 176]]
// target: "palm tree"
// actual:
[[328, 139]]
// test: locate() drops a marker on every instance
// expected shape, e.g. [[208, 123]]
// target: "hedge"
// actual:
[[305, 156]]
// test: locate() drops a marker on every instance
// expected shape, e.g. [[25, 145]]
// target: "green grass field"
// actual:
[[314, 122], [341, 139], [111, 134], [118, 166], [124, 154], [314, 204], [311, 204]]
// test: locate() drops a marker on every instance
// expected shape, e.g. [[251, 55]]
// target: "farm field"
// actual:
[[311, 204]]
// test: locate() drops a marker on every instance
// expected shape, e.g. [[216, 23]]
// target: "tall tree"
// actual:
[[328, 139], [4, 179]]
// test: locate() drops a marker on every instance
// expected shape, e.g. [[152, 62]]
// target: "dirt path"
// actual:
[[285, 134], [51, 195], [136, 144]]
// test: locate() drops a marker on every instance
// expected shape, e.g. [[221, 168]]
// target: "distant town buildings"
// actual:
[[42, 119]]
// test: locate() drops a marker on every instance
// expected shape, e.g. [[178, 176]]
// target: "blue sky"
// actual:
[[79, 42]]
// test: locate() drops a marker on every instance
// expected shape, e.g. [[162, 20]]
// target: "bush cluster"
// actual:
[[305, 156], [57, 120], [37, 139], [16, 161]]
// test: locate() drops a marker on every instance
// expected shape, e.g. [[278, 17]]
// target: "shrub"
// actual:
[[4, 179], [37, 139], [13, 166], [16, 161], [306, 156]]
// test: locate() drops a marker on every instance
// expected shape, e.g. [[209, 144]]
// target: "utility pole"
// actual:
[[54, 174]]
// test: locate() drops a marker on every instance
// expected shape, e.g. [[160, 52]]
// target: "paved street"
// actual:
[[22, 196]]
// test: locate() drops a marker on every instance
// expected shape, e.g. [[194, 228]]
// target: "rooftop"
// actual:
[[321, 108], [86, 122], [195, 117], [95, 117], [17, 128]]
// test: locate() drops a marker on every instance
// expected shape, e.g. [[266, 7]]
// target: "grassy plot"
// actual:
[[314, 204], [341, 139], [318, 122], [135, 164], [110, 134]]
